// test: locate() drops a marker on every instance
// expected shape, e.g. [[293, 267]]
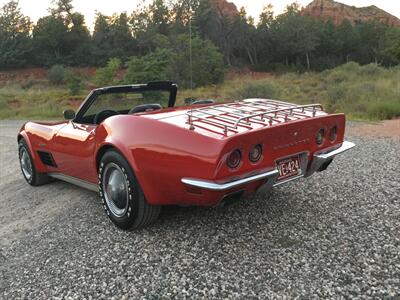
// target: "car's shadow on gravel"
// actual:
[[267, 212]]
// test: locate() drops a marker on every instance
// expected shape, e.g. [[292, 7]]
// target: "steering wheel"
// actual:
[[103, 115], [144, 108]]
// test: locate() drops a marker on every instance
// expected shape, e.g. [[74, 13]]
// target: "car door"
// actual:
[[73, 150]]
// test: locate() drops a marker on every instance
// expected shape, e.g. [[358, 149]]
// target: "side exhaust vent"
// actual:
[[47, 159]]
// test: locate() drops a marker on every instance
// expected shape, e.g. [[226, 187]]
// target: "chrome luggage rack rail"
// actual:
[[231, 116]]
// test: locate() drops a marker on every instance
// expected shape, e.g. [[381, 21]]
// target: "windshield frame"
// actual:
[[170, 87]]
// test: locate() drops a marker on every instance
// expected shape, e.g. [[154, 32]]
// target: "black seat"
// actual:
[[144, 108]]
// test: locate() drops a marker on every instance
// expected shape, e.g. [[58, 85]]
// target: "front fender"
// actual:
[[26, 134]]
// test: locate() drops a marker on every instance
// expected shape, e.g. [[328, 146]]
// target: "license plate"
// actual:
[[289, 167]]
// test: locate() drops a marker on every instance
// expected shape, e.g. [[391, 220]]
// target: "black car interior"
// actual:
[[104, 103]]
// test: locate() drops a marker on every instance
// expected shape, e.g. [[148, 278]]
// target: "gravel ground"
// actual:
[[334, 235]]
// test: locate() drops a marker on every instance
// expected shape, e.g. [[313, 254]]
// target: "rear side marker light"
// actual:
[[320, 136], [234, 159], [255, 153], [333, 134]]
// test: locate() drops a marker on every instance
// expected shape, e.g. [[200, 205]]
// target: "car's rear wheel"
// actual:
[[122, 196], [31, 175]]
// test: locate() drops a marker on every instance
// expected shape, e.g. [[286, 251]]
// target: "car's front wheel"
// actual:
[[31, 175], [122, 196]]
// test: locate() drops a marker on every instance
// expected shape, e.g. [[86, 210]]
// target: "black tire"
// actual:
[[35, 178], [134, 211]]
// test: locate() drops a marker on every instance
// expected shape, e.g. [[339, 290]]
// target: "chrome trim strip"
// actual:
[[75, 181], [210, 185], [321, 158]]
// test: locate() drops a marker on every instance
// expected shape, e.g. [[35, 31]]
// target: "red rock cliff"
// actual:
[[337, 12]]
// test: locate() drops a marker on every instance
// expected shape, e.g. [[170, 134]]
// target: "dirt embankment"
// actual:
[[389, 129]]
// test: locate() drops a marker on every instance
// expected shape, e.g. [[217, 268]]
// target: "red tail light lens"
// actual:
[[234, 159], [320, 136], [333, 134], [255, 153]]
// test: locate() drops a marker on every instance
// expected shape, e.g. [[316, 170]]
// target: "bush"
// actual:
[[75, 84], [56, 74], [208, 62], [106, 76], [173, 64], [384, 110], [370, 70], [257, 89], [151, 67]]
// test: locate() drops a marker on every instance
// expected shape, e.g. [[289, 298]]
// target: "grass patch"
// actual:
[[362, 92]]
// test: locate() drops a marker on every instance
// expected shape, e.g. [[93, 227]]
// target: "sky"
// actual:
[[38, 8]]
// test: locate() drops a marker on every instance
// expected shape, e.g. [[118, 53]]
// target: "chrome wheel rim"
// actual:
[[26, 164], [115, 189]]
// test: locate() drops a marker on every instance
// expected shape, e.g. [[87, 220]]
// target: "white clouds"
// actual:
[[36, 9]]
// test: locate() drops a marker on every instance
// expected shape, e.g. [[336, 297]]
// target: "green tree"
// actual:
[[349, 40], [112, 37], [149, 21], [62, 37], [296, 35], [217, 25], [50, 41], [208, 63], [328, 51], [151, 67], [79, 41], [174, 64], [15, 43], [371, 37], [107, 75], [264, 40], [245, 38]]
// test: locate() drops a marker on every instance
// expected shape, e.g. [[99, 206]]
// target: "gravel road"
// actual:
[[334, 235]]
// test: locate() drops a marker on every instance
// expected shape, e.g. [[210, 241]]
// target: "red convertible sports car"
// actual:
[[130, 144]]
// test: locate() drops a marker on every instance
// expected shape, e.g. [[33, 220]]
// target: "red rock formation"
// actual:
[[225, 8], [337, 12]]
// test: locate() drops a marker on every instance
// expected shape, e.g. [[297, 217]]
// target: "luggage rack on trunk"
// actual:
[[231, 116]]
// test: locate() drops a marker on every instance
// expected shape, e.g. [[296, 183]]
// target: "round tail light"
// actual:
[[234, 159], [333, 134], [255, 153], [320, 136]]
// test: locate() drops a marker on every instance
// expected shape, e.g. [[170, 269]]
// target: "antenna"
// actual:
[[190, 45]]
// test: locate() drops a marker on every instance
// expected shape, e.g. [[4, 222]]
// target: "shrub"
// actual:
[[151, 67], [370, 70], [349, 67], [75, 84], [28, 84], [106, 76], [384, 110], [257, 89], [208, 62], [173, 64], [56, 74]]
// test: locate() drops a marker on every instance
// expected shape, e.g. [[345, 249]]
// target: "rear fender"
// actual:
[[160, 154]]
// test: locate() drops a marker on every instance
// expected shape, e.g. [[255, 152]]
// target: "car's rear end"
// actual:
[[265, 143]]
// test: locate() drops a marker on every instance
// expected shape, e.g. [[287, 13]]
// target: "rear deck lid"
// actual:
[[230, 119]]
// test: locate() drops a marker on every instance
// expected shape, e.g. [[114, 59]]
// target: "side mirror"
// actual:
[[69, 114]]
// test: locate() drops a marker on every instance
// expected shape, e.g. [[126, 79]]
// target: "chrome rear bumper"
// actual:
[[323, 159], [271, 176], [318, 162]]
